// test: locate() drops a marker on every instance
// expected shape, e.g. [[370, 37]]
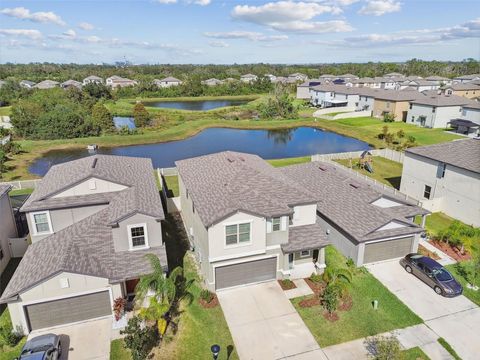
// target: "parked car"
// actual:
[[433, 274], [43, 347]]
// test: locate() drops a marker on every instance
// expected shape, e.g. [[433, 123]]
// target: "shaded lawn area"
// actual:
[[385, 171], [361, 320], [172, 185], [118, 350], [474, 296], [5, 110], [17, 192], [414, 354], [289, 161], [435, 222]]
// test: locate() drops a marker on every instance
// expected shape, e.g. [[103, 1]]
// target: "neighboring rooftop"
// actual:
[[463, 86], [463, 154], [395, 95], [170, 79], [442, 100]]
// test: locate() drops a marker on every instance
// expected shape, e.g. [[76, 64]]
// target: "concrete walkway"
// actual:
[[413, 336], [302, 289], [265, 325], [444, 258]]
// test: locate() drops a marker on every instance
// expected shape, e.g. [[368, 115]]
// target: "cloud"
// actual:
[[86, 26], [292, 16], [202, 2], [28, 33], [380, 7], [196, 2], [248, 35], [167, 1], [218, 44], [39, 17]]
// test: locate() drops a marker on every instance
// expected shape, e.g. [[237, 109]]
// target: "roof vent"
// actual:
[[230, 159], [323, 168], [94, 163], [354, 185]]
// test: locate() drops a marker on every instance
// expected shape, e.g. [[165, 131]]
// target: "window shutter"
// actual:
[[283, 223], [269, 226]]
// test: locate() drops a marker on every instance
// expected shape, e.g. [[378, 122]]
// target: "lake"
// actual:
[[268, 144], [121, 121], [202, 105]]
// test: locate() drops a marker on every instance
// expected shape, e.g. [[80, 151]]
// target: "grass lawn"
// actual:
[[172, 184], [436, 222], [118, 350], [17, 192], [449, 348], [289, 161], [5, 110], [474, 296], [414, 354], [361, 320], [385, 171]]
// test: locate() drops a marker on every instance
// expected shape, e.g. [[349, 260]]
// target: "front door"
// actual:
[[130, 286]]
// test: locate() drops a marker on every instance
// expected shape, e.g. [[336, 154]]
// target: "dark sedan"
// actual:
[[433, 274], [43, 347]]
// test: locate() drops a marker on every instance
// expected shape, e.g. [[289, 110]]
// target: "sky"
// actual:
[[238, 31]]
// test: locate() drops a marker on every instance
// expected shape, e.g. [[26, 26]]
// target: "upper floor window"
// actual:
[[441, 170], [427, 192], [41, 223], [138, 237], [237, 234], [276, 224]]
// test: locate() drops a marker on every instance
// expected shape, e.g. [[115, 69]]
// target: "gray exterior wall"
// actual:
[[7, 229], [121, 233], [437, 119]]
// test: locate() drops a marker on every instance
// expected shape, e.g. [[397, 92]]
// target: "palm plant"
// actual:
[[338, 278]]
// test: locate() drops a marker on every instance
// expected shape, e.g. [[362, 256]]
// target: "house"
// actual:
[[440, 80], [435, 111], [247, 222], [394, 102], [27, 84], [71, 84], [469, 122], [466, 78], [248, 78], [270, 77], [92, 79], [212, 82], [303, 89], [117, 81], [365, 223], [347, 77], [467, 90], [8, 228], [46, 84], [326, 96], [91, 223], [471, 111], [167, 82], [420, 85], [394, 75], [345, 96], [366, 98], [446, 178], [297, 77]]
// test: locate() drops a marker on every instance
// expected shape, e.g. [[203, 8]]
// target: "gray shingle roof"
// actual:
[[306, 237], [4, 189], [350, 208], [464, 154], [442, 100], [170, 79], [224, 183], [463, 87], [86, 247], [395, 95]]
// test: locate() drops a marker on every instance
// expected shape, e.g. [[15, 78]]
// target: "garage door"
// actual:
[[245, 273], [68, 310], [385, 250]]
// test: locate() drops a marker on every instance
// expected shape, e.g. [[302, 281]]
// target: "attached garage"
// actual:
[[389, 249], [245, 273], [68, 310]]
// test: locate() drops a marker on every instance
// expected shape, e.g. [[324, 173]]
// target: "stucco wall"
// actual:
[[471, 114], [7, 229], [304, 215], [120, 234], [303, 92], [83, 188], [393, 107], [437, 119]]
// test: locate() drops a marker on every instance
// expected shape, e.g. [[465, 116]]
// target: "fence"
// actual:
[[172, 171], [22, 184], [386, 153]]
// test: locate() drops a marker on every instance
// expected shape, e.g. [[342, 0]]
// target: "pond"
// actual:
[[121, 121], [202, 105], [268, 144]]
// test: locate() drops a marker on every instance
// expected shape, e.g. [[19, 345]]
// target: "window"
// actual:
[[237, 234], [427, 191], [1, 253], [41, 223], [411, 106], [276, 224], [138, 236], [305, 253], [441, 170], [433, 109]]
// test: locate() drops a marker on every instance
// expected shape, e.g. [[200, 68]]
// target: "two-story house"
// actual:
[[395, 102], [435, 111], [445, 177], [167, 82], [92, 79], [118, 81], [248, 78], [248, 222], [91, 223]]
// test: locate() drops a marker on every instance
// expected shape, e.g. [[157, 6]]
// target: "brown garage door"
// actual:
[[245, 273], [68, 310], [385, 250]]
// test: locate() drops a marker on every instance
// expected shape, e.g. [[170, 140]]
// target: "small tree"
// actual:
[[383, 347], [400, 134], [389, 137], [388, 117], [141, 116], [140, 339], [330, 298], [102, 117]]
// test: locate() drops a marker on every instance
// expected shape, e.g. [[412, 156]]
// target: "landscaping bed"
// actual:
[[425, 252], [287, 284], [451, 251]]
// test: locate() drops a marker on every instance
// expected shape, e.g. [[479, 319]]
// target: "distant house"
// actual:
[[420, 85], [435, 111], [248, 78], [27, 84], [303, 89], [466, 78], [327, 77], [8, 228], [467, 90], [440, 80], [347, 77], [92, 79], [167, 82], [212, 82], [117, 81], [445, 177], [330, 95], [71, 84], [296, 77], [270, 77], [394, 102], [469, 122], [394, 75], [46, 84]]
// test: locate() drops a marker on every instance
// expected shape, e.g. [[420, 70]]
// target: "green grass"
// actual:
[[414, 354], [5, 110], [385, 171], [436, 222], [118, 351], [289, 161], [172, 184], [361, 320], [447, 347], [17, 192], [473, 295]]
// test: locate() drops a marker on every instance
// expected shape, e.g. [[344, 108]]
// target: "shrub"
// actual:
[[383, 347], [139, 338], [8, 336], [400, 134], [206, 295], [118, 307], [316, 278], [388, 117], [330, 298]]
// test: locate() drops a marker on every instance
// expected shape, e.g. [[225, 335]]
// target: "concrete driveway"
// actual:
[[265, 325], [88, 340], [455, 319]]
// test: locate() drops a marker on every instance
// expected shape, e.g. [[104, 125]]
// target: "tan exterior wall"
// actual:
[[397, 108], [121, 233], [91, 186], [7, 229], [469, 94]]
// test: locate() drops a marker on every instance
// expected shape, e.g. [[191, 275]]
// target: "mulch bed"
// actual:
[[425, 252], [451, 251], [346, 303], [287, 285], [331, 317], [309, 301], [208, 305], [317, 288]]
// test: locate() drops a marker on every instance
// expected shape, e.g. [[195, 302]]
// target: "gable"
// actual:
[[386, 203], [91, 186], [391, 225]]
